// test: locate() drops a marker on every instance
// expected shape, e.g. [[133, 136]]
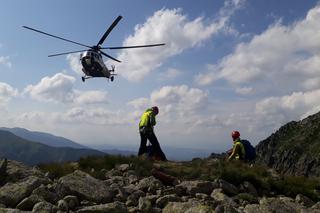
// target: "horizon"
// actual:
[[227, 65]]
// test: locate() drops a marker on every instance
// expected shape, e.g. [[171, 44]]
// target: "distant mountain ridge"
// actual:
[[294, 149], [32, 153], [44, 138]]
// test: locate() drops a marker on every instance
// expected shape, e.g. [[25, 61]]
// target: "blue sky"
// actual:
[[233, 64]]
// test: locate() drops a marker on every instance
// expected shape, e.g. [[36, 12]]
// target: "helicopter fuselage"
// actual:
[[93, 65]]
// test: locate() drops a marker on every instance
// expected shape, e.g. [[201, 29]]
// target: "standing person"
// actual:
[[146, 125], [238, 150]]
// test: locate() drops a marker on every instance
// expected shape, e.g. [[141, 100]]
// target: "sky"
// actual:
[[246, 65]]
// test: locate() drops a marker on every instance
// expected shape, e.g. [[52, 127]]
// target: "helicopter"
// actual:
[[91, 58]]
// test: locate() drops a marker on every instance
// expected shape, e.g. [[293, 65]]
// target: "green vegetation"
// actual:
[[202, 169]]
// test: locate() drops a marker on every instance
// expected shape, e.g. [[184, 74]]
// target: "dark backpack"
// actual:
[[249, 149]]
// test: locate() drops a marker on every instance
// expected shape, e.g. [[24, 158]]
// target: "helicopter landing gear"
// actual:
[[83, 78], [112, 78]]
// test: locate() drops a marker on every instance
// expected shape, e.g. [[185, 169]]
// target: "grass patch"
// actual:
[[234, 172]]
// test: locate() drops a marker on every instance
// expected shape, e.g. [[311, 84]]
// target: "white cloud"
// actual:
[[209, 76], [60, 89], [177, 104], [74, 62], [7, 92], [90, 97], [282, 58], [179, 98], [168, 26], [296, 106], [5, 60], [171, 74], [244, 90]]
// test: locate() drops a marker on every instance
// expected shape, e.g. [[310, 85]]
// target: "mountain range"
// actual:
[[32, 153]]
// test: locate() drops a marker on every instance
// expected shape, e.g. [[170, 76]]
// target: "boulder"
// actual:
[[163, 201], [196, 186], [12, 193], [44, 207], [190, 207], [144, 205], [72, 201], [304, 200], [28, 203], [150, 184], [86, 187], [3, 170], [247, 187], [123, 167], [17, 171], [217, 195], [4, 210], [63, 206], [227, 187], [116, 207], [281, 205], [46, 194]]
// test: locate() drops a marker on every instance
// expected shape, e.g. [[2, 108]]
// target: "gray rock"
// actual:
[[187, 207], [224, 199], [72, 201], [144, 205], [63, 205], [129, 189], [163, 201], [28, 203], [87, 203], [247, 187], [152, 198], [44, 207], [227, 187], [193, 187], [12, 193], [17, 171], [150, 184], [3, 170], [304, 200], [46, 193], [113, 172], [116, 207], [86, 187], [280, 205], [123, 167], [132, 179], [252, 208], [202, 196], [225, 209], [5, 210], [316, 206]]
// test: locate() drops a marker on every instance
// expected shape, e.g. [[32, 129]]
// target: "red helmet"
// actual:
[[155, 109], [235, 135]]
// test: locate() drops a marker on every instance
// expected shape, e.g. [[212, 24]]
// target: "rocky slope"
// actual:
[[294, 149], [26, 189]]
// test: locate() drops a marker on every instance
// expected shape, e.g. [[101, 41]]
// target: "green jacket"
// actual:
[[238, 151], [147, 120]]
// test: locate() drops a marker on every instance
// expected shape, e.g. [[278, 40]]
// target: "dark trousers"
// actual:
[[156, 149]]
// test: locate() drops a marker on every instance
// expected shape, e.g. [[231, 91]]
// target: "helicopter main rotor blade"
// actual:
[[29, 28], [127, 47], [115, 22], [66, 53], [105, 54]]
